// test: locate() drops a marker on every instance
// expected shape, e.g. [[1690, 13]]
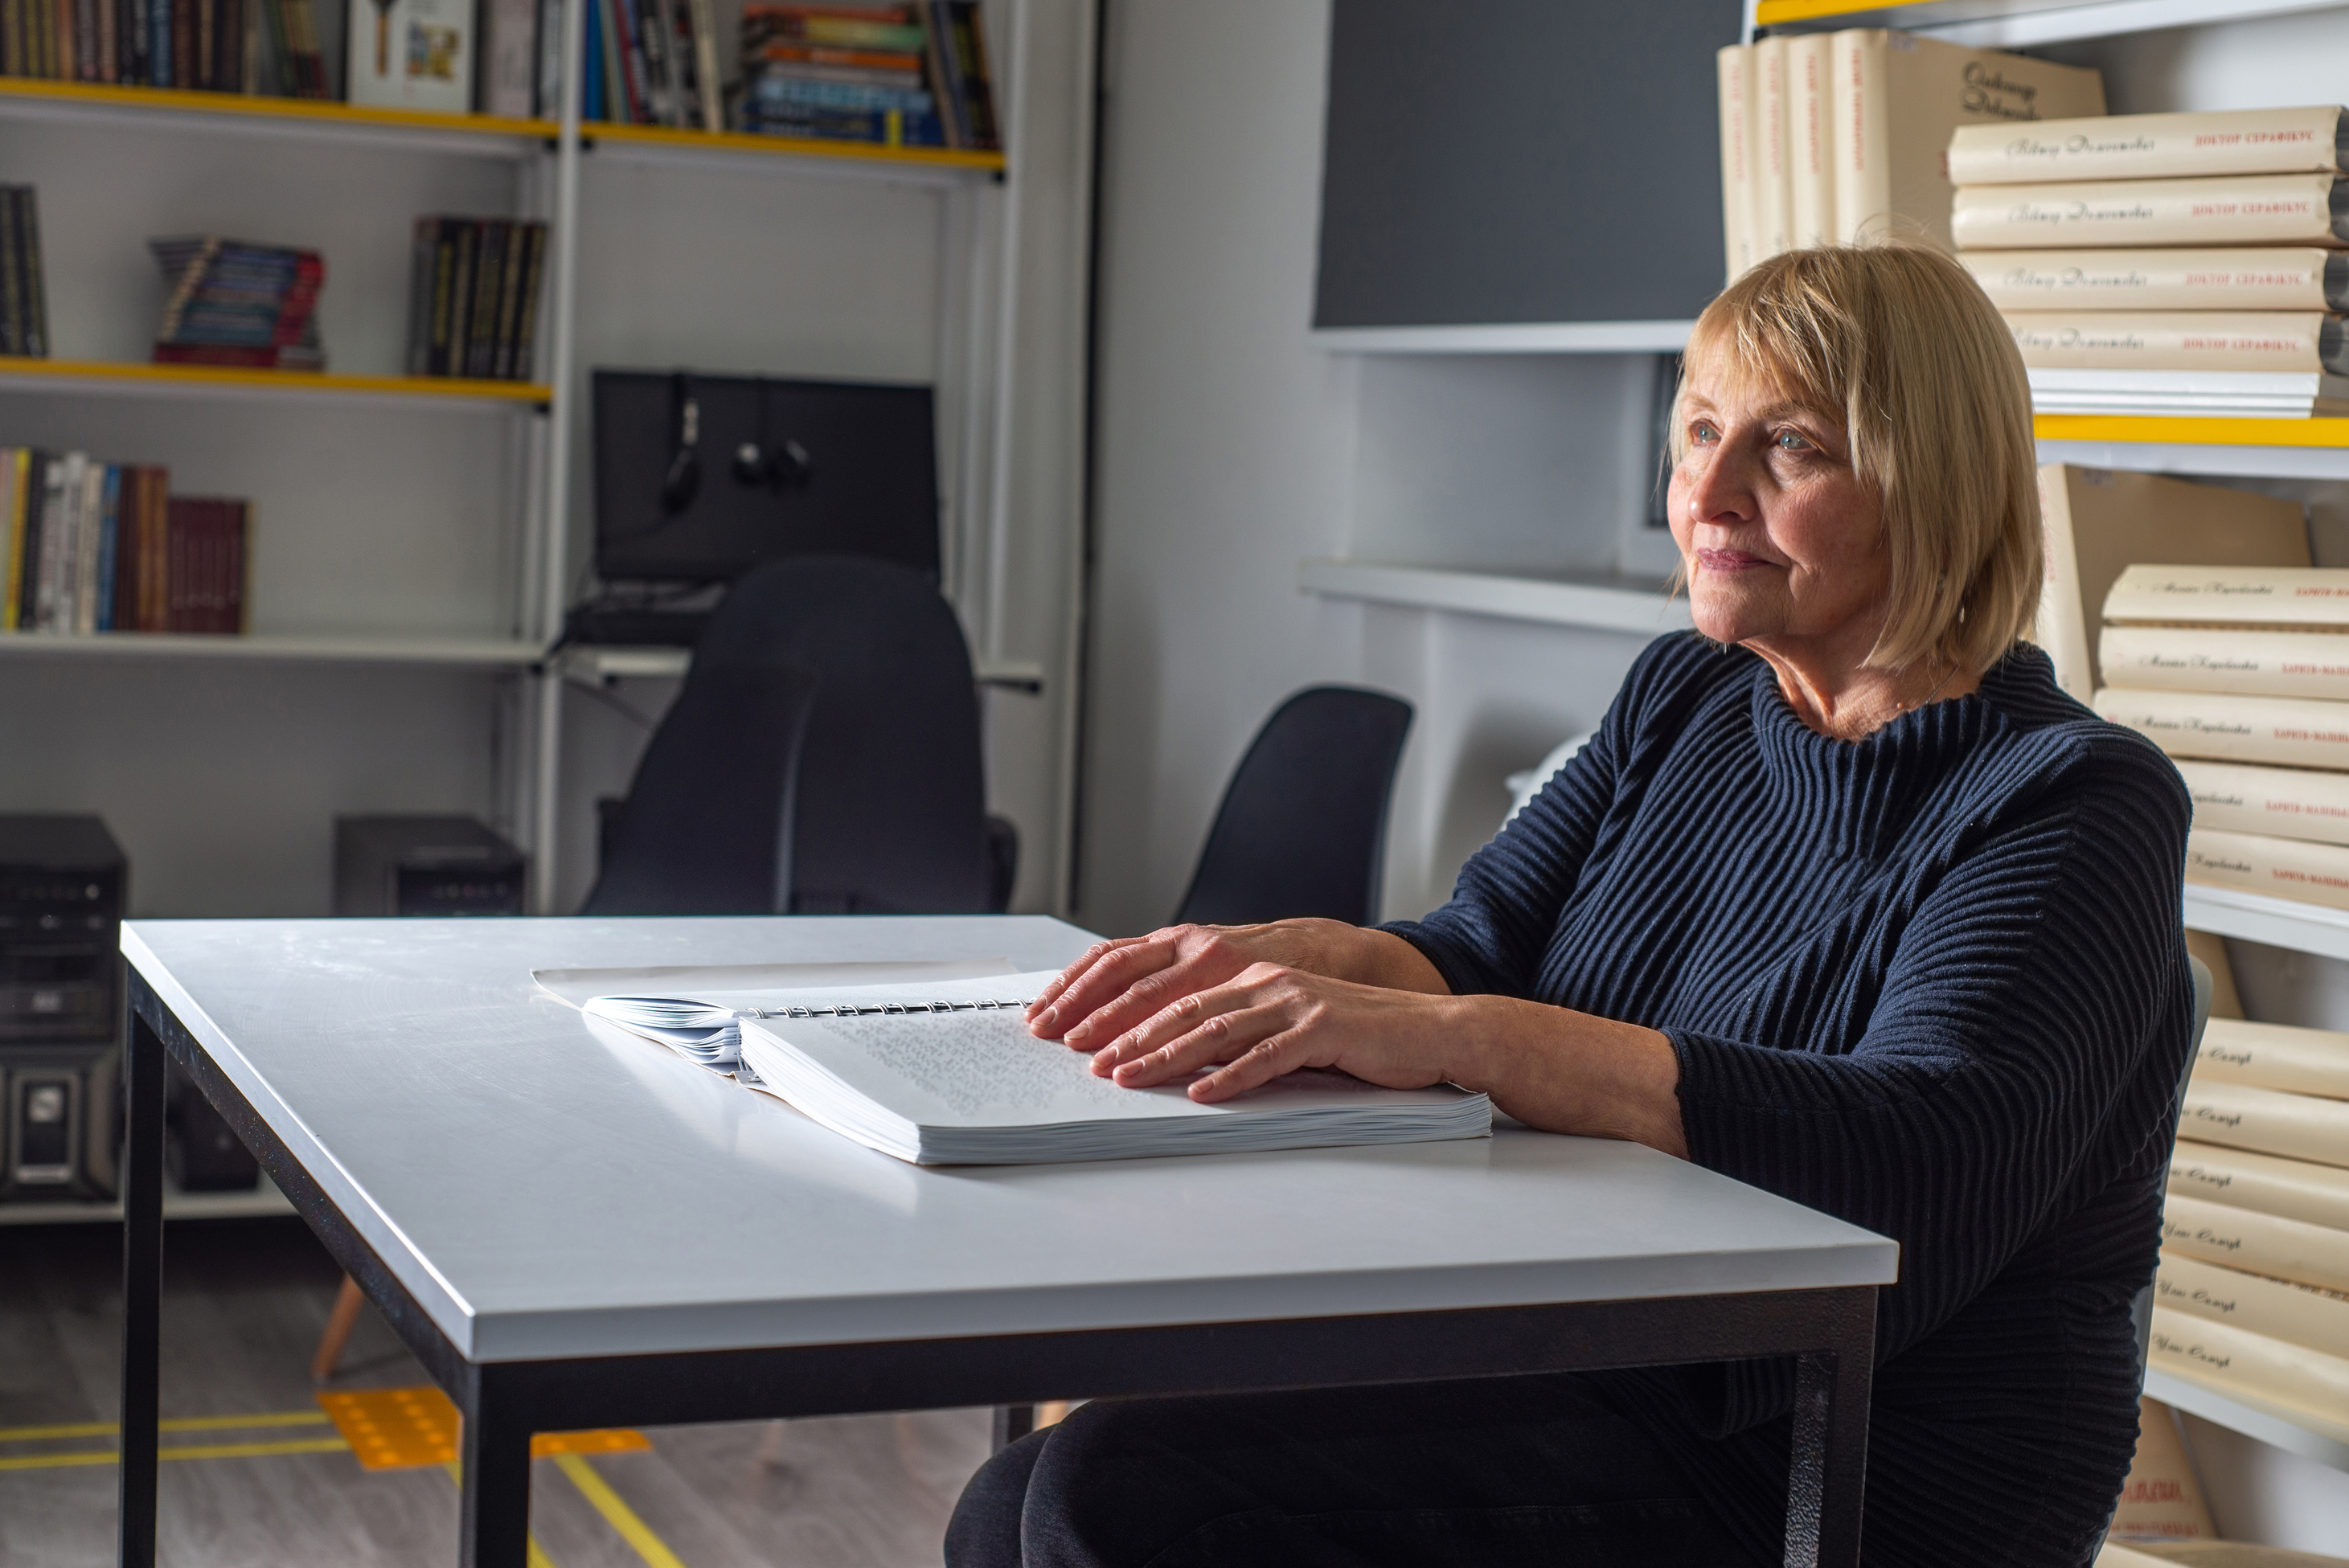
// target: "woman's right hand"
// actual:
[[1117, 986]]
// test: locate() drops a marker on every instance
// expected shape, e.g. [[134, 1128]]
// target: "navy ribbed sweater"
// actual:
[[1933, 982]]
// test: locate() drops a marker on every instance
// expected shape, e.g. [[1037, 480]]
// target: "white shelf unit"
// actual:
[[543, 431], [1525, 338], [2270, 1424], [1638, 606]]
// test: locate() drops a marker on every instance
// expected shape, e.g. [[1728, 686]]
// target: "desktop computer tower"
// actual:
[[425, 865], [62, 884]]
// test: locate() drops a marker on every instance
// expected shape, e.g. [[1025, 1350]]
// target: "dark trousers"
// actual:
[[1491, 1473]]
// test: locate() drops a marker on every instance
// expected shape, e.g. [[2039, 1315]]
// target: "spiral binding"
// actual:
[[908, 1009]]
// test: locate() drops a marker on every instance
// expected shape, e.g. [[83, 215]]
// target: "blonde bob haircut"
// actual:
[[1899, 343]]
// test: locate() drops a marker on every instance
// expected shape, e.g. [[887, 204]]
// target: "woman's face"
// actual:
[[1784, 545]]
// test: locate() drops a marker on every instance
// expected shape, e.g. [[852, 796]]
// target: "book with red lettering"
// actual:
[[2282, 340], [2243, 210], [2153, 146]]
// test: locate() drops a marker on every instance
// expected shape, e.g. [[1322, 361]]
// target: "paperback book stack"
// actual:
[[93, 546], [265, 46], [2166, 263], [1829, 138], [233, 303], [472, 307], [2253, 1295], [901, 75], [23, 299]]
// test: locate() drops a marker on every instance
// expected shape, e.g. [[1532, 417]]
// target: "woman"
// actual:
[[1846, 900]]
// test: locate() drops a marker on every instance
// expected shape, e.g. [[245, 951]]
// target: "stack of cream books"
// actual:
[[2253, 1295], [1828, 137], [2166, 263], [2241, 674]]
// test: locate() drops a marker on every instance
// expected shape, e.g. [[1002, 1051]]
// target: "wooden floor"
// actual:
[[244, 1302]]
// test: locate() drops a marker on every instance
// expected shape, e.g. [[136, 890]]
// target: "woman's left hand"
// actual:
[[1270, 1019]]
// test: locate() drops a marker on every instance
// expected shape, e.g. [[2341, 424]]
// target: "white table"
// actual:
[[576, 1229]]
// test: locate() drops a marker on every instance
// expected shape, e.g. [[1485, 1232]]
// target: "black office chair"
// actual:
[[887, 806], [707, 827], [1302, 827]]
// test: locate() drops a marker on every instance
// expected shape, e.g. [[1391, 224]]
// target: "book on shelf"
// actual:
[[508, 58], [2286, 731], [2255, 1242], [2312, 1385], [2280, 802], [2306, 342], [1810, 76], [410, 54], [23, 297], [2287, 278], [105, 547], [2199, 393], [2243, 210], [2302, 1314], [945, 1072], [2260, 663], [259, 46], [2280, 868], [1899, 99], [2312, 139], [2097, 521], [2278, 1056], [2289, 1189], [2227, 594], [913, 75], [1832, 137], [238, 303], [1735, 68], [473, 297]]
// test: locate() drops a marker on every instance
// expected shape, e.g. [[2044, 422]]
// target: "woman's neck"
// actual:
[[1843, 700]]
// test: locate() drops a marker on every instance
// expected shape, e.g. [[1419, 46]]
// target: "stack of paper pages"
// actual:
[[945, 1073]]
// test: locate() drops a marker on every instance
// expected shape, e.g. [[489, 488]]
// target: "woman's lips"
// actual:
[[1728, 561]]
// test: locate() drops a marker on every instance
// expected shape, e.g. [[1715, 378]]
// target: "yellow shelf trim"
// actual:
[[266, 107], [2184, 432], [237, 377]]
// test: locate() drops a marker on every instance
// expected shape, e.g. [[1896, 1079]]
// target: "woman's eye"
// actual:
[[1792, 441], [1703, 433]]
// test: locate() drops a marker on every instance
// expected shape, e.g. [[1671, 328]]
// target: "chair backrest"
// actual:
[[707, 826], [2141, 1309], [890, 806], [1303, 823]]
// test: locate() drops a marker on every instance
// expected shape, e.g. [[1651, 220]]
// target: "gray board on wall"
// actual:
[[1521, 161]]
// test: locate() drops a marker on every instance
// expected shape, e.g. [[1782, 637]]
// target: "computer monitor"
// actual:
[[833, 468]]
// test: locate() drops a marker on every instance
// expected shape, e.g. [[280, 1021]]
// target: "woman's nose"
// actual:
[[1719, 488]]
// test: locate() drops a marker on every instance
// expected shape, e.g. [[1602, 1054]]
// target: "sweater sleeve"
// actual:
[[1490, 938], [2037, 990]]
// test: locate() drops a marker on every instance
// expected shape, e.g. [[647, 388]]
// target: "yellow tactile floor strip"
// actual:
[[400, 1429]]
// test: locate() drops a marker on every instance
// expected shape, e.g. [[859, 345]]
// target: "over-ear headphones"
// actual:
[[780, 466], [683, 480]]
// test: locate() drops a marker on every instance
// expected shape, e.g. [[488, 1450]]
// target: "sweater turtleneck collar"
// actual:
[[1856, 796]]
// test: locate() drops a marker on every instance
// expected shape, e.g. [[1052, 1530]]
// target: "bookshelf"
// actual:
[[262, 1201], [1610, 603], [448, 573], [2290, 1430]]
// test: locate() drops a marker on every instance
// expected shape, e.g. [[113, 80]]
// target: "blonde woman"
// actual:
[[1845, 899]]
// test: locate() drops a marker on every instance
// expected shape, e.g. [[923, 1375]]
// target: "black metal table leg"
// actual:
[[494, 1518], [1830, 1449], [142, 1289]]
